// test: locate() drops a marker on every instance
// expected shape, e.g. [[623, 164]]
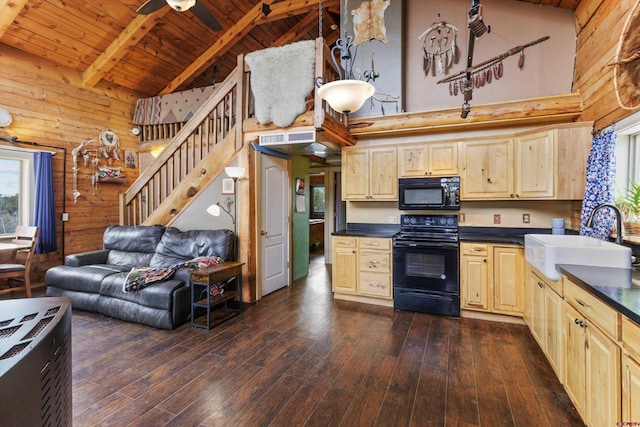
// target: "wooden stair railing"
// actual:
[[218, 121]]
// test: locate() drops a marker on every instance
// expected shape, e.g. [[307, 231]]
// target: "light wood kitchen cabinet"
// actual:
[[545, 317], [630, 371], [592, 368], [345, 265], [428, 159], [474, 276], [507, 279], [534, 169], [370, 174], [362, 266], [491, 278], [374, 267], [487, 169], [547, 163]]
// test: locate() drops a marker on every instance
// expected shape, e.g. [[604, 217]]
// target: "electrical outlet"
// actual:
[[526, 218], [65, 216], [496, 218], [461, 218]]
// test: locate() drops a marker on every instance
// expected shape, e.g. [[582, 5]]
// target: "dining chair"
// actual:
[[19, 265]]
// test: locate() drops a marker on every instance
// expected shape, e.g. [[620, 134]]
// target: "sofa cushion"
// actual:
[[158, 295], [86, 278], [178, 246], [132, 245]]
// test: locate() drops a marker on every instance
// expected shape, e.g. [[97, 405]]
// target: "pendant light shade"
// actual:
[[346, 96]]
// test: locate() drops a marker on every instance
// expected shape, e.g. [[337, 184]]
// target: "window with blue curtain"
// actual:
[[44, 203], [600, 185]]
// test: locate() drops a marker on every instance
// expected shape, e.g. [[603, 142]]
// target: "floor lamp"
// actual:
[[235, 173]]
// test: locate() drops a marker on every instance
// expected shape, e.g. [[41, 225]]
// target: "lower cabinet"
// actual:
[[630, 372], [491, 278], [362, 267], [592, 372], [345, 265], [544, 317]]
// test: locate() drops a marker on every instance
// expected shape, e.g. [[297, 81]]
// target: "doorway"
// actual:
[[274, 224]]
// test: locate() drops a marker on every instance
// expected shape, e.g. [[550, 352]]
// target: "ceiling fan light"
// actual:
[[181, 5], [346, 96]]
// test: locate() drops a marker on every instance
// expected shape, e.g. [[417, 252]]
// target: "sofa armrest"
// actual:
[[87, 258]]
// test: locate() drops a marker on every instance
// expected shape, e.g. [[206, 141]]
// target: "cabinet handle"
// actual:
[[374, 262], [582, 303], [541, 284], [376, 285], [580, 323], [373, 244], [484, 260], [344, 243]]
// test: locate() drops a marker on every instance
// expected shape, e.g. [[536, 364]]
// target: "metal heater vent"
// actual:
[[8, 332]]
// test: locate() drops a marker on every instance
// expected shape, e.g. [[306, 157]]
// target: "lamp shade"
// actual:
[[346, 96], [234, 171], [214, 210], [181, 5]]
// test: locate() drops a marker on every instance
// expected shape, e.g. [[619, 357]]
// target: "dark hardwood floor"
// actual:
[[298, 357]]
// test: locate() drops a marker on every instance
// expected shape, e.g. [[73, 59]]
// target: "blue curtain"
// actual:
[[600, 185], [44, 215]]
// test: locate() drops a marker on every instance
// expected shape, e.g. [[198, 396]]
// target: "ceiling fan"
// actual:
[[199, 10]]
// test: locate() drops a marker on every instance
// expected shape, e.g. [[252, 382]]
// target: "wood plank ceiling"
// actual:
[[108, 41]]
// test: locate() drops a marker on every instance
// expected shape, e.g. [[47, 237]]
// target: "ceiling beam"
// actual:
[[128, 38], [10, 10], [253, 18]]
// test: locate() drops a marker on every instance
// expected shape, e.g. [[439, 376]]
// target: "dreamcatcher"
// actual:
[[109, 145], [439, 46]]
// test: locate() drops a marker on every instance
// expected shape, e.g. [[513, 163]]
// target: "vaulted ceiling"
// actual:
[[107, 41]]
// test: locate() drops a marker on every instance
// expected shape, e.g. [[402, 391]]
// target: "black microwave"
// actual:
[[429, 193]]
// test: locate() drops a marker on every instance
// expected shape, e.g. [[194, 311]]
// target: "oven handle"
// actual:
[[422, 245]]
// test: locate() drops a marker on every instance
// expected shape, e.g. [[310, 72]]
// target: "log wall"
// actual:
[[599, 26], [50, 106]]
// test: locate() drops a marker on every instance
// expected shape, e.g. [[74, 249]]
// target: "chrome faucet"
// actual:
[[618, 219]]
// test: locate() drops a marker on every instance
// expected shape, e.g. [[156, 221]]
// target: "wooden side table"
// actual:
[[211, 310]]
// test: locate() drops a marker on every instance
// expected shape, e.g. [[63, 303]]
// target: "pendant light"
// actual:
[[346, 95]]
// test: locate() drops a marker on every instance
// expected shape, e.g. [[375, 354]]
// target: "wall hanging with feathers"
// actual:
[[439, 47]]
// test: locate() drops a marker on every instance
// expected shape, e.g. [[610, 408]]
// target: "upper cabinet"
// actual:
[[428, 159], [487, 169], [370, 174], [548, 163]]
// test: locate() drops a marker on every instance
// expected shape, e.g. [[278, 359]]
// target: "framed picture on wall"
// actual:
[[130, 159], [227, 186], [299, 186]]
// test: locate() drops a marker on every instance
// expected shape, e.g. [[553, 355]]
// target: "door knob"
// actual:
[[263, 233]]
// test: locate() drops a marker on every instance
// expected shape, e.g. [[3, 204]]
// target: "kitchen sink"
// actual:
[[545, 251]]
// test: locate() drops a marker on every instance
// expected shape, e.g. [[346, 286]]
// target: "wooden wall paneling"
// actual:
[[51, 106], [600, 25]]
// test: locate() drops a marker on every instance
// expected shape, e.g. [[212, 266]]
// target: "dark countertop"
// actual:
[[511, 235], [618, 287], [361, 229]]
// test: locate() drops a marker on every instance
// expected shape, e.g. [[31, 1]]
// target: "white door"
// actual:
[[274, 227]]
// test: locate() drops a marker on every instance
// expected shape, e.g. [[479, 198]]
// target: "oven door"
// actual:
[[426, 268]]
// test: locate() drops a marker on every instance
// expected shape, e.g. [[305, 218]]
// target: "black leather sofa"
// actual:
[[94, 280]]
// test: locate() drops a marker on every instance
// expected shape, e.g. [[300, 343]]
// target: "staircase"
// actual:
[[193, 157]]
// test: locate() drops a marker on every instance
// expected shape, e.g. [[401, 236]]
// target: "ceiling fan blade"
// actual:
[[203, 14], [151, 6]]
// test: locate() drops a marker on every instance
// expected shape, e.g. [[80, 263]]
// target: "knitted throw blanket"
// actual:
[[141, 277]]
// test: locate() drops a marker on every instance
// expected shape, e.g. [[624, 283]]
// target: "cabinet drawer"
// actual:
[[474, 249], [631, 337], [374, 261], [374, 243], [375, 284], [595, 310], [344, 242]]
